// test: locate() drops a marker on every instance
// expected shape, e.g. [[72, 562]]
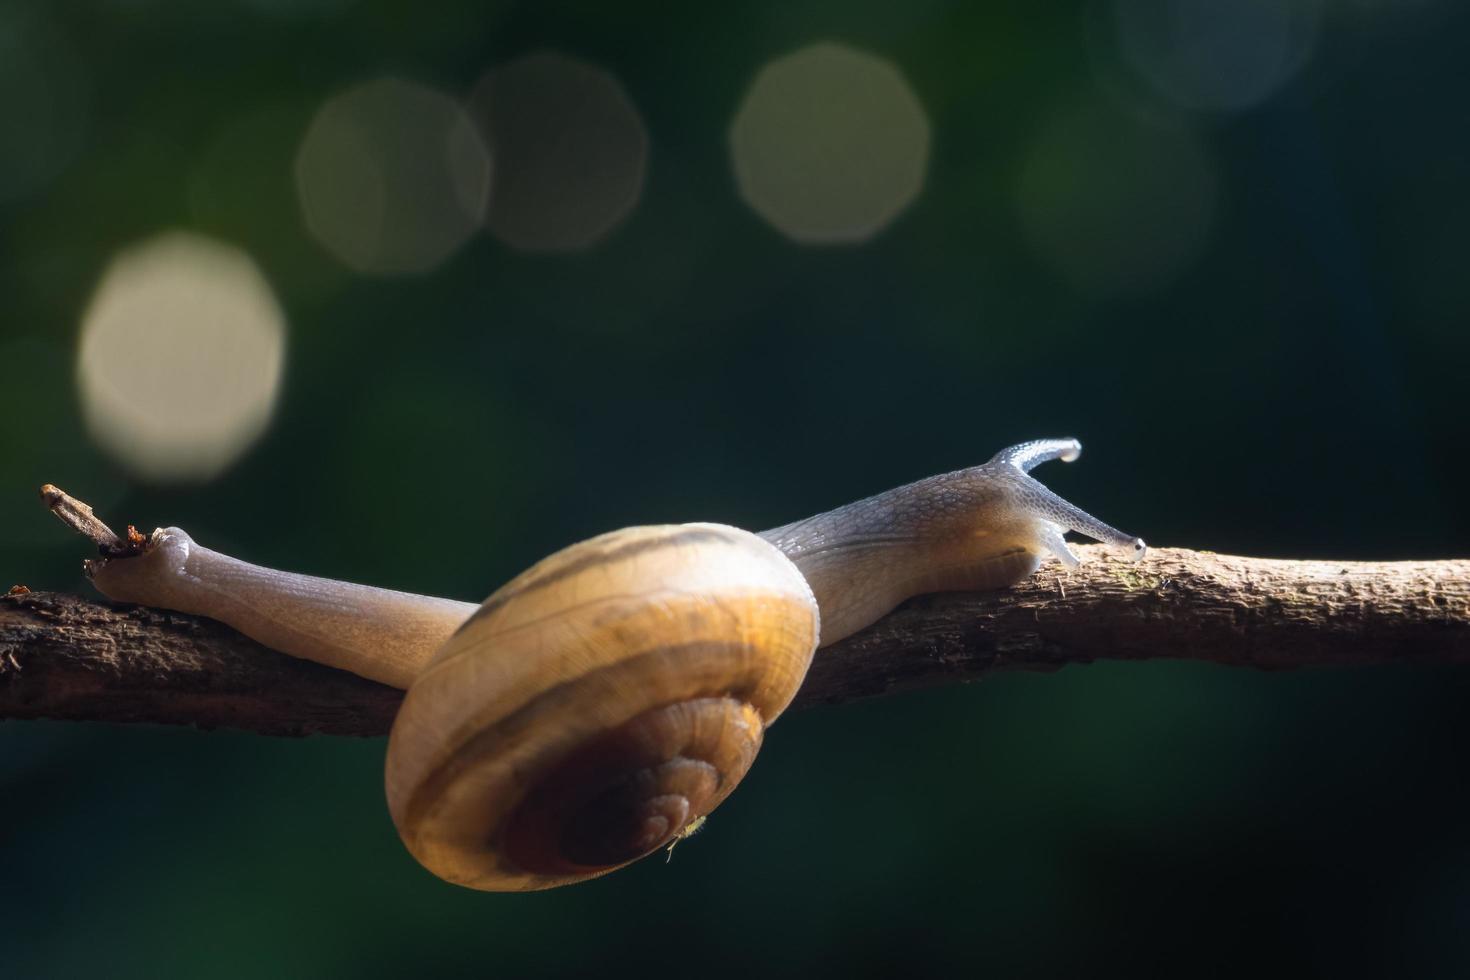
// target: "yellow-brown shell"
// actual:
[[597, 704]]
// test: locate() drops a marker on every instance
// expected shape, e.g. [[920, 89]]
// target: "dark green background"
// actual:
[[1298, 390]]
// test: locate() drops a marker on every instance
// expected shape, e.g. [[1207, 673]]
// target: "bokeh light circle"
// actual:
[[392, 176], [830, 144], [570, 151], [1116, 206], [1216, 54], [181, 356]]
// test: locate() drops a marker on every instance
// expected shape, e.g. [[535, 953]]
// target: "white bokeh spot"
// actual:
[[570, 151], [393, 177], [830, 144], [181, 356]]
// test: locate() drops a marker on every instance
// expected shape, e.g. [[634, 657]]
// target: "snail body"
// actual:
[[617, 691]]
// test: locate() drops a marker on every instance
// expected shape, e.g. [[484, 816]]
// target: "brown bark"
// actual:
[[63, 656]]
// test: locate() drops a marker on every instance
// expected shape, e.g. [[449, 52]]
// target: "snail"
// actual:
[[608, 698]]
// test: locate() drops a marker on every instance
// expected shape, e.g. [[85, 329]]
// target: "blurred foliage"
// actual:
[[1294, 388]]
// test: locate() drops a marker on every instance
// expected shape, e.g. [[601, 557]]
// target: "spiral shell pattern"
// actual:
[[597, 704]]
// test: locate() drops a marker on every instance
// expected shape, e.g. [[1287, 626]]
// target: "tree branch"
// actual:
[[63, 656]]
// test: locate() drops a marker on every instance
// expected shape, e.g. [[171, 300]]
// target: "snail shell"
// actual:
[[597, 704]]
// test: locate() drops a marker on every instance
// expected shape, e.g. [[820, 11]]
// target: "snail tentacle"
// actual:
[[1026, 455], [1048, 508]]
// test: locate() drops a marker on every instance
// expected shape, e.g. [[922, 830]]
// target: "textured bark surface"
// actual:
[[63, 656]]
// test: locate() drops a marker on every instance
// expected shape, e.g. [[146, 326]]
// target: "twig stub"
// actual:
[[79, 517]]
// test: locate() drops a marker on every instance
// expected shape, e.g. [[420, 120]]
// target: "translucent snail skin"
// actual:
[[614, 693]]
